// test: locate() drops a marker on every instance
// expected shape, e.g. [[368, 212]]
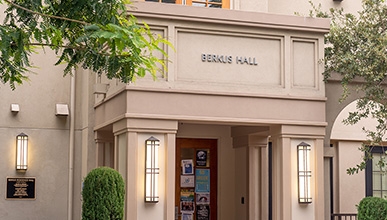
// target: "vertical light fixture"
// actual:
[[151, 170], [21, 152], [304, 173]]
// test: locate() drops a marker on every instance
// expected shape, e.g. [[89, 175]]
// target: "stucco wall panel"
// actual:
[[228, 17], [349, 194], [229, 58], [37, 96], [202, 107], [48, 160], [114, 108], [303, 7], [304, 69], [279, 53]]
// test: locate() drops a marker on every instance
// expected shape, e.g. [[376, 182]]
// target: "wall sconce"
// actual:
[[304, 173], [21, 152], [151, 170]]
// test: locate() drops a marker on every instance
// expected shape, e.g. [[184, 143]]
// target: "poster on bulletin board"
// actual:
[[202, 180], [203, 212], [187, 216], [201, 158], [187, 181], [187, 202], [202, 198], [187, 166]]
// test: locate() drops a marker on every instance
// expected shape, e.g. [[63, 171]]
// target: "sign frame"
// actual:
[[23, 185]]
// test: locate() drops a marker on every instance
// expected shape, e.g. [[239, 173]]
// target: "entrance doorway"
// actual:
[[196, 179]]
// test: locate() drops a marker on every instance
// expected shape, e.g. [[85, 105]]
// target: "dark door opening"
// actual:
[[196, 179]]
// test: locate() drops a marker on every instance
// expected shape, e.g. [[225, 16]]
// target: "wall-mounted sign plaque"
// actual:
[[20, 188]]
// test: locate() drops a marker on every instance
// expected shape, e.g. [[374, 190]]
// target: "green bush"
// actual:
[[372, 208], [103, 195]]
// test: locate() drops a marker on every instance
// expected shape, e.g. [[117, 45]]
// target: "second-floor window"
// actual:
[[198, 3]]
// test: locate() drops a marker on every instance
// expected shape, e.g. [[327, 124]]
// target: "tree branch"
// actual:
[[103, 52], [52, 45]]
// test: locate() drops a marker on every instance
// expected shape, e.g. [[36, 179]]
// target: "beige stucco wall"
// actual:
[[303, 7], [347, 139], [241, 179], [342, 131], [281, 77], [349, 189], [48, 141], [291, 7]]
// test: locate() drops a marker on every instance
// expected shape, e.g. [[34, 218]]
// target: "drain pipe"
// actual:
[[71, 147]]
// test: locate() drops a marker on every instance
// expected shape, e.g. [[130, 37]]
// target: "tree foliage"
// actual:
[[356, 49], [94, 34], [103, 195]]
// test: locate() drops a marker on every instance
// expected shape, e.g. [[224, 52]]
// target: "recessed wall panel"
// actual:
[[304, 64], [229, 58]]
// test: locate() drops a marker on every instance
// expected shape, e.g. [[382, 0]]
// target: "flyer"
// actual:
[[201, 158], [187, 195], [187, 166], [187, 206], [202, 180], [187, 201], [187, 216], [187, 181], [203, 212], [202, 198]]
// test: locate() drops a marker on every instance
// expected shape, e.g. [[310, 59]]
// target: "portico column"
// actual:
[[126, 164], [104, 148], [130, 153], [286, 139], [281, 177], [170, 158], [131, 175], [258, 178]]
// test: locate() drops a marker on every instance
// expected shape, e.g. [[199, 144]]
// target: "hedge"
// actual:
[[372, 208], [103, 195]]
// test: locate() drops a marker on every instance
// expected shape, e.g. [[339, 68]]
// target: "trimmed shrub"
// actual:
[[372, 208], [103, 195]]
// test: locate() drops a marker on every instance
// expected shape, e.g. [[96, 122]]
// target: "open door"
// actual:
[[196, 179]]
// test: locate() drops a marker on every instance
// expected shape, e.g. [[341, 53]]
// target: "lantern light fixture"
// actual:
[[21, 152], [304, 173], [151, 170]]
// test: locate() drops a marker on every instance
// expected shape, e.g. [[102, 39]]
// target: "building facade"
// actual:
[[242, 97]]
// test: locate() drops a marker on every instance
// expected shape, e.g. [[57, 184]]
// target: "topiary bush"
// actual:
[[103, 195], [372, 208]]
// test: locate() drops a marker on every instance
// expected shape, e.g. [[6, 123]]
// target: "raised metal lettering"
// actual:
[[228, 59], [203, 57]]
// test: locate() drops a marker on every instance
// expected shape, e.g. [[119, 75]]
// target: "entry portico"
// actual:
[[250, 81]]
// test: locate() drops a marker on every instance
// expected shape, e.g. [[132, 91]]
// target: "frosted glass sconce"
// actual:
[[151, 170], [21, 152], [304, 173]]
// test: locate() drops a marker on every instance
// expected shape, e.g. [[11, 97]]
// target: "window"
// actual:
[[198, 3], [376, 177]]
